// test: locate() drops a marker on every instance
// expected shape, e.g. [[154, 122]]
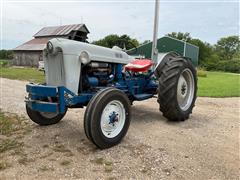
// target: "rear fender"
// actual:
[[163, 58]]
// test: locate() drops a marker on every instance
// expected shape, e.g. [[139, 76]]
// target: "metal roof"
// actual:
[[60, 30], [37, 44]]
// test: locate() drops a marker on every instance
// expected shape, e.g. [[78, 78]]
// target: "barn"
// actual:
[[31, 52], [168, 44]]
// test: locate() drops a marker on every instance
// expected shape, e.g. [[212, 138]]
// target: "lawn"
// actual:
[[28, 74], [216, 84], [219, 84]]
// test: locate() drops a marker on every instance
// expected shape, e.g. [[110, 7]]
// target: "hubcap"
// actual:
[[185, 89], [113, 119]]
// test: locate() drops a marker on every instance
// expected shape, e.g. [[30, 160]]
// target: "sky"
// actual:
[[208, 20]]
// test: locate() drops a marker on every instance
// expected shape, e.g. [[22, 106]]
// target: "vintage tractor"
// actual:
[[107, 81]]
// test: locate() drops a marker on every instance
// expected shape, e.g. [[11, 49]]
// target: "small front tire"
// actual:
[[44, 119], [107, 118]]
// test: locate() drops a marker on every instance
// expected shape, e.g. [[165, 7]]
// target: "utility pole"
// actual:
[[155, 33]]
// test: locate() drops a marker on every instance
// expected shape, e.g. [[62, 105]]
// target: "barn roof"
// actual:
[[37, 44], [45, 34], [60, 30]]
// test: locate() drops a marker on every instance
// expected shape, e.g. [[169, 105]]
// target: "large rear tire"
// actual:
[[44, 118], [177, 88], [107, 118]]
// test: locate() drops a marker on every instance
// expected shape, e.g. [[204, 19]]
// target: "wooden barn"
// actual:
[[30, 53]]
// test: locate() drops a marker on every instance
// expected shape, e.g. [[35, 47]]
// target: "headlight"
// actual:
[[84, 57], [49, 47]]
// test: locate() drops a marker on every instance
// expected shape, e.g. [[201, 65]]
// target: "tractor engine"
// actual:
[[96, 74]]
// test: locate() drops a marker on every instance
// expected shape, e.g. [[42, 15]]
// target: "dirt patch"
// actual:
[[204, 147]]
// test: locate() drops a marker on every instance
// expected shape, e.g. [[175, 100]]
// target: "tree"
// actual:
[[227, 47], [6, 54], [145, 42], [124, 41], [205, 51], [181, 36]]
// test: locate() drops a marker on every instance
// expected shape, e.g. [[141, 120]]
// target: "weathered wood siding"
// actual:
[[27, 58]]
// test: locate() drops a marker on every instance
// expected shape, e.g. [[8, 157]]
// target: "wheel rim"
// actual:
[[113, 119], [185, 89], [48, 115]]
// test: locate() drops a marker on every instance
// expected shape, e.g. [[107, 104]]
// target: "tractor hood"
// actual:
[[96, 53], [63, 59]]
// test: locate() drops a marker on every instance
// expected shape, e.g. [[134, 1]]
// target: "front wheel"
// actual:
[[44, 118], [177, 88], [107, 118]]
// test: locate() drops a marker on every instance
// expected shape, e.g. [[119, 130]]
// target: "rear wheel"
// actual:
[[107, 118], [177, 88], [44, 118]]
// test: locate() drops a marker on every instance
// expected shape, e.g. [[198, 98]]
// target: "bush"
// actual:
[[229, 66], [213, 63], [5, 63], [201, 73]]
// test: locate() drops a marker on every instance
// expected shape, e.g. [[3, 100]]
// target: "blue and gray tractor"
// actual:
[[107, 81]]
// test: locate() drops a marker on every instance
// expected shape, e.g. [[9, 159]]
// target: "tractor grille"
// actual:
[[55, 74]]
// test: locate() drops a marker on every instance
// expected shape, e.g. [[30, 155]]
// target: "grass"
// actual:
[[9, 144], [11, 128], [219, 84], [11, 124], [27, 74]]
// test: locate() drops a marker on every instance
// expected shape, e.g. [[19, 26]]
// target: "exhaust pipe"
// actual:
[[155, 34]]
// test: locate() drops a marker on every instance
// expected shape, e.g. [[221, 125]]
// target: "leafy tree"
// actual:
[[124, 41], [145, 42], [6, 54], [205, 51], [181, 36], [227, 47]]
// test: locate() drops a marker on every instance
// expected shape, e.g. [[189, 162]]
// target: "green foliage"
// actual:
[[214, 63], [5, 63], [201, 73], [227, 47], [124, 41], [219, 84], [145, 42], [181, 36], [6, 54], [224, 56]]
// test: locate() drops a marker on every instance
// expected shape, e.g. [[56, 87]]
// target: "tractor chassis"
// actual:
[[55, 99]]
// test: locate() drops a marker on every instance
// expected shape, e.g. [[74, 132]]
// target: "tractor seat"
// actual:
[[139, 65]]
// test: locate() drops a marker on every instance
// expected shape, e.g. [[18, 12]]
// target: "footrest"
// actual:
[[141, 97]]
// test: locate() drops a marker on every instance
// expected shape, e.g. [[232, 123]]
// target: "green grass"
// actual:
[[27, 74], [219, 84]]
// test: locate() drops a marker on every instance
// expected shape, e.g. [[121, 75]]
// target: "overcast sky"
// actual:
[[204, 19]]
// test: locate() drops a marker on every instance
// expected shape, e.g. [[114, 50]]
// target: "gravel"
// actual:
[[204, 147]]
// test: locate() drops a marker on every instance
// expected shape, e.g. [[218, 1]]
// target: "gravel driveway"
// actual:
[[204, 147]]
